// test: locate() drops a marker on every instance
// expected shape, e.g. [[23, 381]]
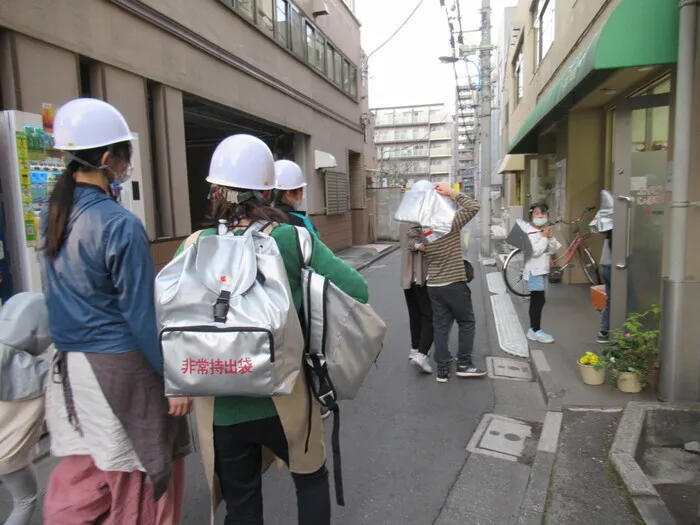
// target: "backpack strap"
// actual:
[[305, 245]]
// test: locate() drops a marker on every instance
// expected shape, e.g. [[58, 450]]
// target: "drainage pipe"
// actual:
[[675, 383]]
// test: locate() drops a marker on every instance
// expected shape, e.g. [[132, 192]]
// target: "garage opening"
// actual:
[[206, 125]]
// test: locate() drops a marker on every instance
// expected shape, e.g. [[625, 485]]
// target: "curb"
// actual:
[[623, 455], [534, 502], [379, 256]]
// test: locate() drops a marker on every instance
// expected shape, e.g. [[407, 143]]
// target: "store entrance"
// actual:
[[206, 125]]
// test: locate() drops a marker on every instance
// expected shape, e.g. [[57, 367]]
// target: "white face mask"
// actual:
[[540, 221]]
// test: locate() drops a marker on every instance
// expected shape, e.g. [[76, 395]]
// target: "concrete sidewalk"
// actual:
[[541, 457]]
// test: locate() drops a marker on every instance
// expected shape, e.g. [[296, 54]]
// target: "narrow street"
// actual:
[[403, 440]]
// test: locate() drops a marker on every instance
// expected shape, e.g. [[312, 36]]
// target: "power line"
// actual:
[[399, 29]]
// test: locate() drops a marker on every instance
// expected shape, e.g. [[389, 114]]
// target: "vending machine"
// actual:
[[29, 169]]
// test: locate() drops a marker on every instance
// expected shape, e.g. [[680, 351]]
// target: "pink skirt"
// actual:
[[79, 493]]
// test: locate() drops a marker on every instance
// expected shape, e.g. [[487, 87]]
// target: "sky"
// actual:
[[407, 70]]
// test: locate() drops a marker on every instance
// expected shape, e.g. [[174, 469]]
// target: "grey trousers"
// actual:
[[453, 303], [23, 488]]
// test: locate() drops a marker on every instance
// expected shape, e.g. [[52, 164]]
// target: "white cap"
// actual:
[[423, 185], [288, 175], [87, 123], [242, 161]]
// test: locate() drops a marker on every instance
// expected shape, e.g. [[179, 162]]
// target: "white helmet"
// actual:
[[242, 161], [423, 185], [288, 175], [87, 123]]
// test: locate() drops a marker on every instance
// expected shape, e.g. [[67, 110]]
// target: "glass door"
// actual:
[[641, 135]]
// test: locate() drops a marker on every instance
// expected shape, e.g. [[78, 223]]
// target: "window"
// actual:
[[297, 31], [543, 24], [337, 193], [330, 67], [320, 50], [265, 14], [518, 73], [310, 44], [245, 7], [353, 81], [339, 69], [346, 76], [282, 31]]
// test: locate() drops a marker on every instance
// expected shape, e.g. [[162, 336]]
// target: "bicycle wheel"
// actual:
[[514, 273], [589, 266]]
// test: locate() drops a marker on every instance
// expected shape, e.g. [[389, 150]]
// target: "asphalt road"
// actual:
[[403, 439]]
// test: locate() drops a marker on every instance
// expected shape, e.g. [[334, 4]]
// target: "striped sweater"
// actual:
[[444, 256]]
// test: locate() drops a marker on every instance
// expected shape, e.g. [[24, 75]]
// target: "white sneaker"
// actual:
[[422, 362], [540, 337], [531, 335], [413, 353]]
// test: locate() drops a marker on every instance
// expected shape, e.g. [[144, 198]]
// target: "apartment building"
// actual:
[[188, 74], [413, 143]]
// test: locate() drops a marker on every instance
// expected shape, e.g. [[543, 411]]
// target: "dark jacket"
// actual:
[[291, 218], [99, 290]]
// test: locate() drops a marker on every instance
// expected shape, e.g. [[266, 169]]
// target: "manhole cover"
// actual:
[[501, 437], [505, 368]]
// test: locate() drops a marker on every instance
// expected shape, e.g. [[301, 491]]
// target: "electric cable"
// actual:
[[399, 29]]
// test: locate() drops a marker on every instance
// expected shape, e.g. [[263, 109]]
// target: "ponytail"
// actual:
[[61, 201], [60, 206]]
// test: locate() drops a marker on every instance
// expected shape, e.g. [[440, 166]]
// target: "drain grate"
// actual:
[[496, 283], [505, 368], [511, 337]]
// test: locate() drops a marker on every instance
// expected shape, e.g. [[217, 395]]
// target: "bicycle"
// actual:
[[514, 267]]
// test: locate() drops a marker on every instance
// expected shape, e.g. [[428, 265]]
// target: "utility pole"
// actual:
[[485, 129]]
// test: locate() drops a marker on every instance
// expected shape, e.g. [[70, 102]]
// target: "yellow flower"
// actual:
[[589, 358]]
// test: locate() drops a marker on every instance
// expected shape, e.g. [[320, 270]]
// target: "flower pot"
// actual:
[[628, 382], [590, 375]]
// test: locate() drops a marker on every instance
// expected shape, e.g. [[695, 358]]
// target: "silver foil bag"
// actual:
[[257, 349], [347, 335], [427, 208]]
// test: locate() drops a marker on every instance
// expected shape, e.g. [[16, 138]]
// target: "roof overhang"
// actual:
[[638, 33], [324, 160], [511, 163]]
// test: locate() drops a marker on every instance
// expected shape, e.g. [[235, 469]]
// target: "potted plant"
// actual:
[[592, 369], [632, 350]]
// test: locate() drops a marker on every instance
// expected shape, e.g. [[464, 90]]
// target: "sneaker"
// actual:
[[413, 353], [470, 370], [443, 374], [325, 412], [543, 337], [603, 338], [422, 362]]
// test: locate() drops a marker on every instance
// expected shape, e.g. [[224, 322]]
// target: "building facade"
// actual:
[[188, 74], [413, 143], [605, 94]]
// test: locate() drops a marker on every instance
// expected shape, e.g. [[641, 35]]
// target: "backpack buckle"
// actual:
[[221, 306]]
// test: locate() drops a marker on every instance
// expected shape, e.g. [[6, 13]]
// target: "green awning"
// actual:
[[638, 33]]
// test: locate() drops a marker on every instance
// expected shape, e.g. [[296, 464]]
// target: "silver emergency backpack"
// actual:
[[228, 325]]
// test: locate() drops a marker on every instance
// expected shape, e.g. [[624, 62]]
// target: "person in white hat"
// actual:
[[235, 433], [119, 437], [289, 193]]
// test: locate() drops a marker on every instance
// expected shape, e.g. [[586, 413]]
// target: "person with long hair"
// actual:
[[122, 442], [239, 435]]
